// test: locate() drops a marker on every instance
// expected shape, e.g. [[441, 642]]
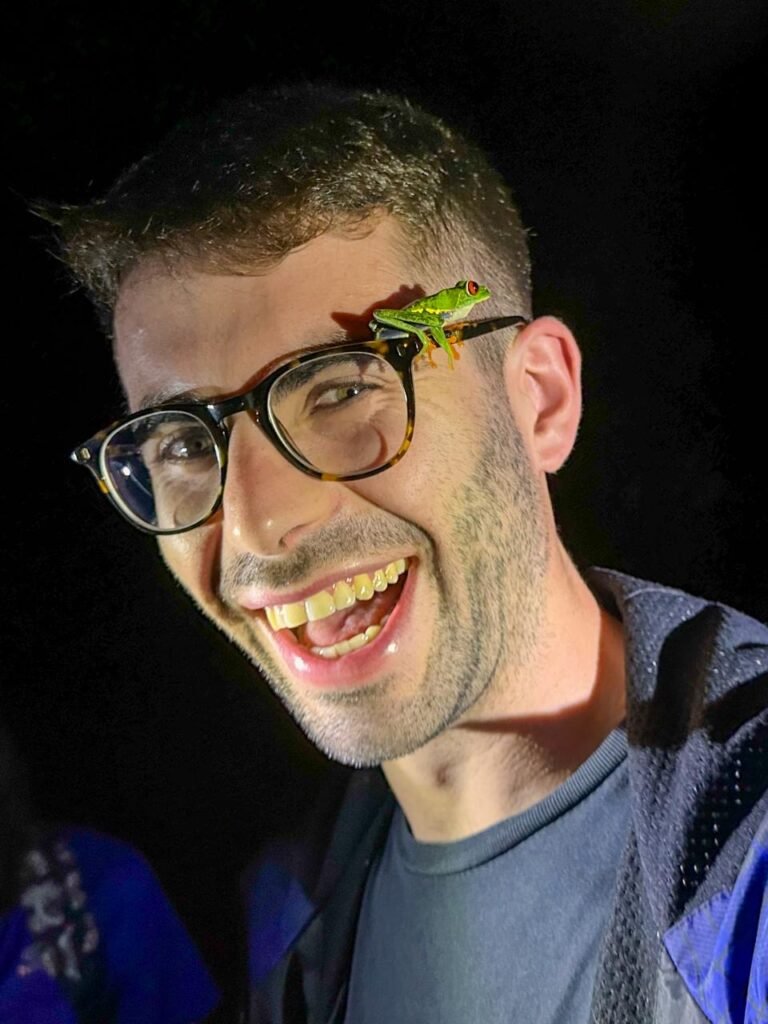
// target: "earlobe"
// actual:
[[543, 380]]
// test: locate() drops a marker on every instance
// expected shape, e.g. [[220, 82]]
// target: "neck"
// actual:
[[531, 729]]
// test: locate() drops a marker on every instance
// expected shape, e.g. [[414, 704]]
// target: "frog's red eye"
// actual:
[[472, 287]]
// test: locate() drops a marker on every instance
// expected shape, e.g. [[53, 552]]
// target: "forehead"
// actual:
[[209, 333]]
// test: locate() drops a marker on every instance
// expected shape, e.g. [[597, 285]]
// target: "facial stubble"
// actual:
[[486, 625]]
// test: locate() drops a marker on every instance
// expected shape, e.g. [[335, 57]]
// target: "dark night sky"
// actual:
[[629, 131]]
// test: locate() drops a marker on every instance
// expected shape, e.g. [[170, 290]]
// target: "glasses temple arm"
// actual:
[[475, 328]]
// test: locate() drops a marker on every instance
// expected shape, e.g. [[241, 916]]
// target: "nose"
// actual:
[[268, 504]]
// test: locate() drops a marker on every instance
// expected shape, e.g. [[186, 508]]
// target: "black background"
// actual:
[[632, 134]]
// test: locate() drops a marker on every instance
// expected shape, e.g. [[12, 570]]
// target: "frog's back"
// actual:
[[448, 303]]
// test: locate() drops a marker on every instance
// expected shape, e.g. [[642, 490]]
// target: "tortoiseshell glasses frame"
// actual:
[[107, 453]]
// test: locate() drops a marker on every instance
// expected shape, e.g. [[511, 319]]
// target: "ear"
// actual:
[[542, 375]]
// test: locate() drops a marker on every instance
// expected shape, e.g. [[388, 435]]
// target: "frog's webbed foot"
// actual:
[[454, 342], [432, 346], [447, 343]]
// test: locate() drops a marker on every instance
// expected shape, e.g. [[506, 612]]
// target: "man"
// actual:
[[569, 819]]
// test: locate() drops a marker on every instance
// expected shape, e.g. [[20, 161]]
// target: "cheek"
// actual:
[[190, 557], [422, 487]]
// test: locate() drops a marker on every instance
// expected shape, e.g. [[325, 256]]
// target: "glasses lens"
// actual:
[[163, 470], [341, 414]]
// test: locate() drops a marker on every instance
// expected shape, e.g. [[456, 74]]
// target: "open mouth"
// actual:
[[345, 616]]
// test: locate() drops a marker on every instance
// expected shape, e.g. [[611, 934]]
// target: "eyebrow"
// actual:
[[168, 394], [303, 374]]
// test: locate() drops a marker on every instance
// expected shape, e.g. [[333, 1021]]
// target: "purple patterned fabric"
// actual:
[[94, 940]]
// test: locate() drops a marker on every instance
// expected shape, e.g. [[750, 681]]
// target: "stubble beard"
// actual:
[[483, 634]]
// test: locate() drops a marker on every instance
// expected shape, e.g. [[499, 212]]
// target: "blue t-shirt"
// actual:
[[95, 931], [504, 925]]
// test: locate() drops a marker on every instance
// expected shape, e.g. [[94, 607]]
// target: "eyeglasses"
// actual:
[[343, 412]]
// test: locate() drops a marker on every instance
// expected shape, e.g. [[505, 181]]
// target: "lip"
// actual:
[[357, 669], [253, 599]]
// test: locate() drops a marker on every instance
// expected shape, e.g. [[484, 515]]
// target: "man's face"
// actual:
[[462, 510]]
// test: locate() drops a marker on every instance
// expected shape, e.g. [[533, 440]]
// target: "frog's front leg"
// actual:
[[392, 318], [395, 318]]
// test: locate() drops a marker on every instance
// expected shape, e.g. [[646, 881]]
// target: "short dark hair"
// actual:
[[238, 188]]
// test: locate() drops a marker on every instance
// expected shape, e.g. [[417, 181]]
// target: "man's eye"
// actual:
[[333, 397], [183, 446]]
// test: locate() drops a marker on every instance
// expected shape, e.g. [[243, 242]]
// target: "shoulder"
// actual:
[[697, 729], [651, 604], [702, 653], [695, 876], [697, 696]]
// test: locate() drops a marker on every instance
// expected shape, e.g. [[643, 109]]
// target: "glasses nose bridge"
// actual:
[[248, 402], [253, 404]]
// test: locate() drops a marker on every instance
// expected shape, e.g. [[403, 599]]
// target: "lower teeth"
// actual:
[[354, 643]]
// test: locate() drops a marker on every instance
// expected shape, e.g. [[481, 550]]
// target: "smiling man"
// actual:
[[561, 814]]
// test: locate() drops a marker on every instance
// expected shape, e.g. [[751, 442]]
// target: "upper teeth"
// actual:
[[342, 594]]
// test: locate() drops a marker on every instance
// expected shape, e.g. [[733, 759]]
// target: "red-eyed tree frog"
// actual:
[[425, 317]]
